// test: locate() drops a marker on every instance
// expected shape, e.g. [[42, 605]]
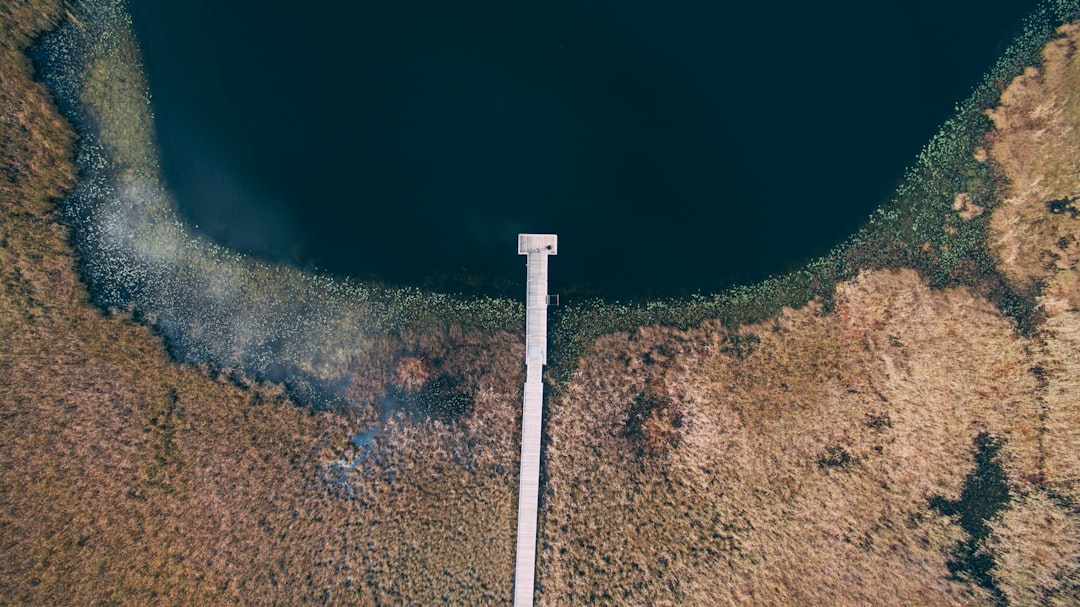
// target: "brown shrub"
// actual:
[[411, 373]]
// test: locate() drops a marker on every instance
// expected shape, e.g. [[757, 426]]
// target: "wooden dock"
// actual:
[[537, 247]]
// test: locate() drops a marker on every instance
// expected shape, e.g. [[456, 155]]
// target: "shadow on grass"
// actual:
[[985, 494]]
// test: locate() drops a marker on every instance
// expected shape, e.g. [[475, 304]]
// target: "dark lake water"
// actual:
[[674, 146]]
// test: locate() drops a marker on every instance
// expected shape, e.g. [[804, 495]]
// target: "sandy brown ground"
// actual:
[[839, 454]]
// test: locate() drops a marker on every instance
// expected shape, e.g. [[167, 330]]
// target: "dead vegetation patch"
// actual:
[[1036, 147], [806, 468], [965, 206], [1035, 546]]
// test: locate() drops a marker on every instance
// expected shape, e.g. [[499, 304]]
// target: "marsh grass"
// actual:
[[816, 454], [808, 423]]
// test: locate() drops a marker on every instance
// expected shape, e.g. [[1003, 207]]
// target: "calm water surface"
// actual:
[[675, 146]]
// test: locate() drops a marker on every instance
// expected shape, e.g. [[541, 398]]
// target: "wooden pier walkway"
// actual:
[[537, 247]]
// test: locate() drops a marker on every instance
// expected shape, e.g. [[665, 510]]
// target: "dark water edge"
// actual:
[[215, 307], [674, 149], [896, 236]]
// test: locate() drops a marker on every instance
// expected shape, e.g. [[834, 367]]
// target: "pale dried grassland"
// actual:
[[805, 468], [1036, 546], [1036, 146], [808, 449], [1036, 237]]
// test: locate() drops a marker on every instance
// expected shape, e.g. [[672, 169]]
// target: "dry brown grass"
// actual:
[[1036, 546], [1035, 232], [128, 478], [806, 466], [965, 206], [411, 373], [787, 463]]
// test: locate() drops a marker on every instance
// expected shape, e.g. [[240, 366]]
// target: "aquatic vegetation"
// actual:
[[308, 331], [313, 332]]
